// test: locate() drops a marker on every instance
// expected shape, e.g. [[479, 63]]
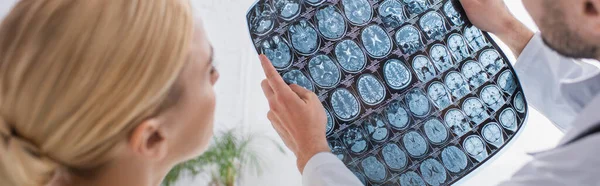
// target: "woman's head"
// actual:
[[87, 83]]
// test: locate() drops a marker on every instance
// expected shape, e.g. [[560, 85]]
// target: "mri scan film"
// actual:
[[414, 94]]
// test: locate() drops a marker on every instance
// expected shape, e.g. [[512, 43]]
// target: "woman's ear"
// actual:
[[148, 140]]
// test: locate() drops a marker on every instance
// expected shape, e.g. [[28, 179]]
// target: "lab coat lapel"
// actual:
[[584, 122]]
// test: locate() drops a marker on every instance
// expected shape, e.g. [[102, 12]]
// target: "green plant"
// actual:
[[224, 160]]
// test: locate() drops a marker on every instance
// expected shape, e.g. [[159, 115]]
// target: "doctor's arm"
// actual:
[[299, 118], [556, 86]]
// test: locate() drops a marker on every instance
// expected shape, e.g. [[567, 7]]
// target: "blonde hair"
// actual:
[[76, 76]]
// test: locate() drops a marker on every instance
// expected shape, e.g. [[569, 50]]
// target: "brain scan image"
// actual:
[[433, 172], [492, 97], [330, 122], [457, 84], [374, 169], [261, 19], [508, 119], [433, 25], [397, 116], [414, 95], [491, 60], [476, 110], [423, 68], [330, 22], [411, 178], [278, 52], [337, 149], [454, 159], [439, 94], [314, 2], [298, 78], [350, 57], [324, 71], [506, 81], [452, 14], [474, 73], [492, 133], [392, 13], [475, 147], [435, 131], [355, 140], [288, 9], [519, 102], [358, 12], [370, 89], [396, 74], [376, 128], [418, 104], [442, 59], [409, 39], [416, 6], [475, 38], [376, 41], [435, 2], [415, 144], [344, 104], [458, 47], [360, 177], [304, 37], [457, 122], [394, 157]]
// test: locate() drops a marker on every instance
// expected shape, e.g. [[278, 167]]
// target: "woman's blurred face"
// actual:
[[190, 121]]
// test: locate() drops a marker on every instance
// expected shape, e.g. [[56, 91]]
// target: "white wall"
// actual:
[[5, 6], [241, 103]]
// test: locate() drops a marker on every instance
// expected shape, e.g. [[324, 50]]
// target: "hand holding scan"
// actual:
[[493, 16], [384, 122], [489, 15], [296, 114]]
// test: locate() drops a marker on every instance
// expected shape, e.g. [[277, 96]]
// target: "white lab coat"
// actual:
[[564, 90]]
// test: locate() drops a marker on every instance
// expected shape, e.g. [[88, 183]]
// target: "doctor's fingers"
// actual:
[[310, 98], [274, 105], [471, 2], [267, 90], [277, 123], [281, 131], [304, 94], [282, 92]]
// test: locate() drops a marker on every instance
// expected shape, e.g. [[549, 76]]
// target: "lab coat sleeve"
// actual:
[[573, 164], [556, 86], [325, 169]]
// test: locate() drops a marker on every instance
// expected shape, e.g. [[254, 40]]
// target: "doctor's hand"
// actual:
[[296, 114], [493, 16]]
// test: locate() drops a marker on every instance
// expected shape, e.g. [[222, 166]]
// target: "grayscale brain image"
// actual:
[[414, 94]]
